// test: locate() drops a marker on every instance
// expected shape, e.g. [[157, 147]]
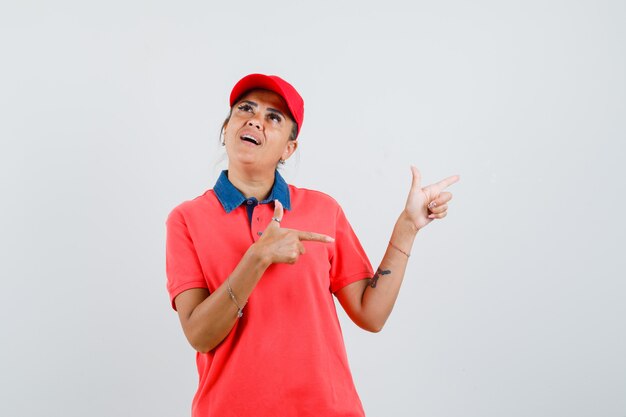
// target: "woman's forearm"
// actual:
[[381, 291], [211, 320]]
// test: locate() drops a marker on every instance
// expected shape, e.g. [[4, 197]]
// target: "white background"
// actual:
[[514, 305]]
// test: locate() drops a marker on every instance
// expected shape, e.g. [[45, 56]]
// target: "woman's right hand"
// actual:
[[282, 245]]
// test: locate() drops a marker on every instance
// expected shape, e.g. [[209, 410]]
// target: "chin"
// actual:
[[251, 165], [242, 158]]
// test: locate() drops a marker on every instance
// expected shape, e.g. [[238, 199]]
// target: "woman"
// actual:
[[253, 265]]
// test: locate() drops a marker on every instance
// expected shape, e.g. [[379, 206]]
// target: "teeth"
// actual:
[[251, 138]]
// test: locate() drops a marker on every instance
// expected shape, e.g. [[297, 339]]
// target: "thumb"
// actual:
[[278, 210], [417, 177]]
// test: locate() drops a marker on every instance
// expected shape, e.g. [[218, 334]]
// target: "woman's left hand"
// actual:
[[423, 205]]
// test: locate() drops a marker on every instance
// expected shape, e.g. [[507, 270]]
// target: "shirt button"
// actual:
[[249, 202]]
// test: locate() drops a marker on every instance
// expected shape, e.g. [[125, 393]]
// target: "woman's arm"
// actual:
[[207, 319], [369, 302]]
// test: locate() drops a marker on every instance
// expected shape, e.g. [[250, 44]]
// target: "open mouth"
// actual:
[[251, 139]]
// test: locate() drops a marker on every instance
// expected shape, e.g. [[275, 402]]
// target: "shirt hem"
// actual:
[[339, 284], [184, 287]]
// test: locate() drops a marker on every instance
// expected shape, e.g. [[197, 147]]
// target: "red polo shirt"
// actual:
[[285, 356]]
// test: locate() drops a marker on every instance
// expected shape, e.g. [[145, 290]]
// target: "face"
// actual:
[[257, 133]]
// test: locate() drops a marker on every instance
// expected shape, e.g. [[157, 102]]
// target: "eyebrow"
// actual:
[[253, 104]]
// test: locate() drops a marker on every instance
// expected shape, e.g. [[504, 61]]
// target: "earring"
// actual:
[[282, 162]]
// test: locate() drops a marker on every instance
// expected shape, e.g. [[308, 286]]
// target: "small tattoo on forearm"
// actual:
[[377, 275]]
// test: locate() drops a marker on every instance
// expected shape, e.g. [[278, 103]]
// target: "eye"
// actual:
[[275, 117], [245, 107]]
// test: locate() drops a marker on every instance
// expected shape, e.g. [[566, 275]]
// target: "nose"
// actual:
[[254, 123]]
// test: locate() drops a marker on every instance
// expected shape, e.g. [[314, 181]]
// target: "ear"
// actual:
[[224, 126], [290, 148]]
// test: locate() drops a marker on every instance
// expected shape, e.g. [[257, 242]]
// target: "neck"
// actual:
[[251, 184]]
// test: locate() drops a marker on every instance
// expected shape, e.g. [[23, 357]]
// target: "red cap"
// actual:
[[275, 84]]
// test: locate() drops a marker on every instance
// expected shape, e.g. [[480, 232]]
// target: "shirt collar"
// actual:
[[231, 198]]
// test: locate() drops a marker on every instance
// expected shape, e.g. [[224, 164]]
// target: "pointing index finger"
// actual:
[[445, 183], [314, 237]]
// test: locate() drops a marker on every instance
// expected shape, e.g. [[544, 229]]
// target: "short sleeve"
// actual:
[[349, 262], [182, 265]]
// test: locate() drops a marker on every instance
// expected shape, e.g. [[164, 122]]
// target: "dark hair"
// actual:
[[292, 136]]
